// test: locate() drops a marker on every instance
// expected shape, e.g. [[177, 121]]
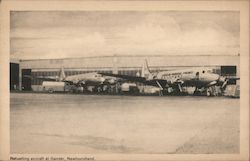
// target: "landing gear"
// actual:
[[97, 89], [198, 91], [180, 89], [160, 92], [208, 93], [211, 91], [161, 89]]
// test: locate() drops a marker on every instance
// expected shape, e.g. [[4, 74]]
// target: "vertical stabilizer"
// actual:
[[62, 75], [145, 70]]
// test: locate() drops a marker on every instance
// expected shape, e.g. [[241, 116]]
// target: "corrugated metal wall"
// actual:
[[110, 62]]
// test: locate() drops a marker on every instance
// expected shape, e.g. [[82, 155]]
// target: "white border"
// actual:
[[21, 5]]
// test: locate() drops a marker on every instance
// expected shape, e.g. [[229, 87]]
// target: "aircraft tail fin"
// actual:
[[145, 70], [62, 75]]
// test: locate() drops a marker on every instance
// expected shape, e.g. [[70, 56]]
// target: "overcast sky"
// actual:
[[40, 35]]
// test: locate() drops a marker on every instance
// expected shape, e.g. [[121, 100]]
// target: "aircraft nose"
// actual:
[[222, 79], [216, 76]]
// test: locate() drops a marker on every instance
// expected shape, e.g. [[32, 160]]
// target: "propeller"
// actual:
[[224, 81], [224, 84]]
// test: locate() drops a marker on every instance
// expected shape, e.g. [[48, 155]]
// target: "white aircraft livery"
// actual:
[[200, 78]]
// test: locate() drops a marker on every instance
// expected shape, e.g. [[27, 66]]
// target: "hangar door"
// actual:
[[229, 71], [26, 79], [14, 76]]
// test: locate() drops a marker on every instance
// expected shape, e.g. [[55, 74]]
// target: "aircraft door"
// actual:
[[26, 79], [14, 76], [197, 75]]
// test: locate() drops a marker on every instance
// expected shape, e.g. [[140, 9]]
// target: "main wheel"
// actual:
[[208, 93]]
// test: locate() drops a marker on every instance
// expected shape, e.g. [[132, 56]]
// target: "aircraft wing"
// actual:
[[152, 82], [233, 78], [127, 77], [48, 78], [44, 78]]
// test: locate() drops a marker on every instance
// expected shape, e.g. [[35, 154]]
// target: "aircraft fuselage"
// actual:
[[189, 77], [86, 79]]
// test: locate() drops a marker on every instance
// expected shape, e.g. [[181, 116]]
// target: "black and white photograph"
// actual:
[[125, 82]]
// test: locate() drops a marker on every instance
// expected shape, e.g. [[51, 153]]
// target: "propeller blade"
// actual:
[[159, 85], [212, 83], [224, 83]]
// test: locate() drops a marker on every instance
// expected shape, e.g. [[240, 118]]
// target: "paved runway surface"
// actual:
[[61, 123]]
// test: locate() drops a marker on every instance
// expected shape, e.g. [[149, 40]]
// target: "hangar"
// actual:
[[226, 65]]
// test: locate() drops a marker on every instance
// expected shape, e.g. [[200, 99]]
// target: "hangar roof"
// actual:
[[133, 61]]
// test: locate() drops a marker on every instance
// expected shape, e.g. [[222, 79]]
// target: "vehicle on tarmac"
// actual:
[[51, 86]]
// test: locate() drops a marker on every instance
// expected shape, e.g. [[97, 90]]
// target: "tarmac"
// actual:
[[104, 124]]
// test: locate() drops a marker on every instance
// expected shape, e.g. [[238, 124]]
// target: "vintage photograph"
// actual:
[[126, 82]]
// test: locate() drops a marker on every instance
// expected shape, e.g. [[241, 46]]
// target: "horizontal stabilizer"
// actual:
[[233, 78]]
